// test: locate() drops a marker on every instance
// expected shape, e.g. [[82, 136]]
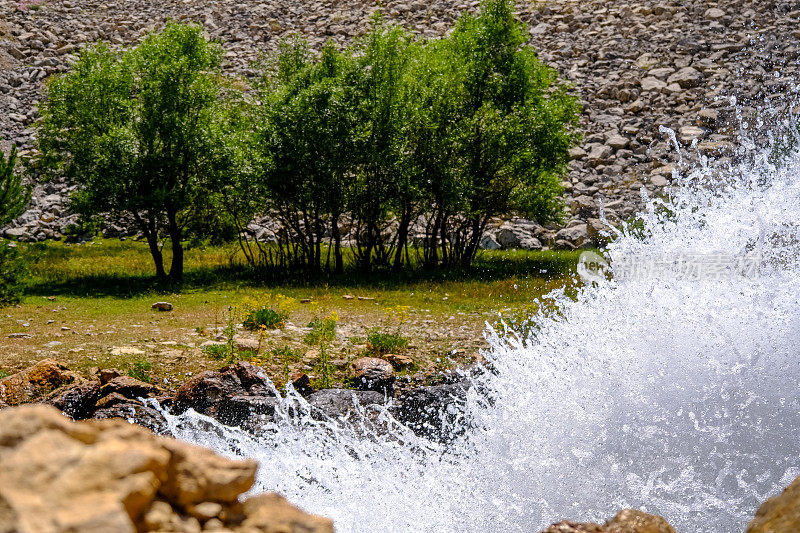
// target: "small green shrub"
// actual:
[[381, 342], [286, 353], [220, 352], [140, 369], [4, 374], [265, 316], [323, 332]]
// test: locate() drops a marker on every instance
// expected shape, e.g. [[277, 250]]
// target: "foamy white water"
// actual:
[[676, 395]]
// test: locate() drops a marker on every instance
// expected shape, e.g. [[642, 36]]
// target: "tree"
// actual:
[[382, 187], [140, 131], [306, 138], [511, 128], [14, 197]]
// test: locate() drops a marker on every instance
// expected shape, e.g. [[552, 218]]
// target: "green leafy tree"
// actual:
[[141, 132], [383, 187], [14, 197], [306, 140], [511, 129]]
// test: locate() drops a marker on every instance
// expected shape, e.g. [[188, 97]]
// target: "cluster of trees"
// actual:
[[348, 148]]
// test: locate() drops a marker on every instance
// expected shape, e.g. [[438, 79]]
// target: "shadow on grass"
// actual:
[[486, 268]]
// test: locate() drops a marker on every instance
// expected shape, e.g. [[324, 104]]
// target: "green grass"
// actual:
[[124, 269], [85, 301]]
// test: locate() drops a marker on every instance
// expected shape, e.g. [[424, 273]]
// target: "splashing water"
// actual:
[[671, 393]]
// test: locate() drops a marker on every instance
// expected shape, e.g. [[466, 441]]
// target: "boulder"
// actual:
[[35, 382], [577, 236], [434, 412], [372, 373], [341, 403], [626, 521], [61, 476], [132, 411], [272, 513], [779, 514], [129, 388], [206, 392], [76, 401], [488, 242]]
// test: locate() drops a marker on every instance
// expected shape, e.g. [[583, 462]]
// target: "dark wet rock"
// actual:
[[76, 401], [340, 403], [133, 411], [236, 410], [435, 411], [372, 373], [205, 392], [129, 387], [302, 384]]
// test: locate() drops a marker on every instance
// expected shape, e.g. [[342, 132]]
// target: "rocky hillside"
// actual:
[[638, 65]]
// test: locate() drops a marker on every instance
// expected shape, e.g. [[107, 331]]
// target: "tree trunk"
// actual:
[[158, 258], [337, 240], [151, 234], [475, 238], [402, 239], [175, 234]]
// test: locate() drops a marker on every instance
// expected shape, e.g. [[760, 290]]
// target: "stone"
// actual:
[[372, 373], [131, 411], [75, 401], [488, 242], [598, 231], [576, 235], [434, 411], [302, 384], [508, 238], [129, 387], [399, 361], [205, 392], [658, 180], [714, 13], [626, 521], [617, 141], [107, 374], [272, 513], [341, 403], [779, 514], [61, 476], [651, 83], [35, 382], [162, 306], [236, 410], [687, 78], [245, 344]]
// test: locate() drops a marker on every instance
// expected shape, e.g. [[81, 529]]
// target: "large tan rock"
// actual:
[[35, 382], [108, 475], [626, 521], [779, 514]]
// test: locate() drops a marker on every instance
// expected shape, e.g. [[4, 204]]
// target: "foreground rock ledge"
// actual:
[[626, 521], [109, 475]]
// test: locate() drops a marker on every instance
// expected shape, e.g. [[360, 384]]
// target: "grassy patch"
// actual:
[[89, 306]]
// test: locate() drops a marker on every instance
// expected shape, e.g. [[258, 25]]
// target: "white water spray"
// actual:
[[671, 393]]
